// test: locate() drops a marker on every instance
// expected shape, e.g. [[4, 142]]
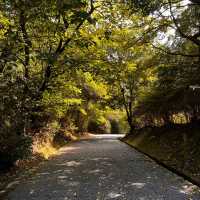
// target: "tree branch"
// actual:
[[182, 34], [174, 53], [27, 43], [92, 8], [61, 47]]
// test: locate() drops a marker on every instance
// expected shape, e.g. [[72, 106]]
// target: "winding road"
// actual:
[[103, 168]]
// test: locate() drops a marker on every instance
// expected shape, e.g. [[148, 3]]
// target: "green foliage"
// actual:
[[4, 25], [15, 147], [66, 62], [146, 6], [92, 89], [118, 120], [99, 125], [35, 85], [57, 105]]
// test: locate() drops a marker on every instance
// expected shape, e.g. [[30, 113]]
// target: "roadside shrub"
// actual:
[[117, 120], [62, 137], [13, 148], [99, 125]]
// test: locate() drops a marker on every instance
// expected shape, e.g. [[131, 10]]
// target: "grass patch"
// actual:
[[45, 150]]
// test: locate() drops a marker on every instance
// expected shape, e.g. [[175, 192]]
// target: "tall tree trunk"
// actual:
[[131, 125]]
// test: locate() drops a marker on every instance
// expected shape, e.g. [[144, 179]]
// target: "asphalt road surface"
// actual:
[[103, 168]]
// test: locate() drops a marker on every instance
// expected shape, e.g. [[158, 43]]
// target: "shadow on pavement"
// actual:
[[101, 169]]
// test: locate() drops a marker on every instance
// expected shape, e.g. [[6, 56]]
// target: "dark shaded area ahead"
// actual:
[[103, 168]]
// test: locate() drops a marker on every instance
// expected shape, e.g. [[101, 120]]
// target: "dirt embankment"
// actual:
[[177, 146]]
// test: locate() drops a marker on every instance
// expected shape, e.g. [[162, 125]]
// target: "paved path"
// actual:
[[100, 169]]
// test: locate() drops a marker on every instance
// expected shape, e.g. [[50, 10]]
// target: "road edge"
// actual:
[[171, 169]]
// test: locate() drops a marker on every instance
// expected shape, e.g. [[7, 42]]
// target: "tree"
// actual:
[[122, 66], [34, 37]]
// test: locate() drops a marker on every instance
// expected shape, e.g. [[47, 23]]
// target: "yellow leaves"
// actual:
[[132, 67], [101, 120], [58, 104], [72, 88], [72, 101], [152, 78], [57, 98], [94, 88], [82, 111], [4, 24]]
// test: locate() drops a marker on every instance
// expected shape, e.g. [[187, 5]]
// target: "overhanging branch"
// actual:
[[174, 53], [193, 38]]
